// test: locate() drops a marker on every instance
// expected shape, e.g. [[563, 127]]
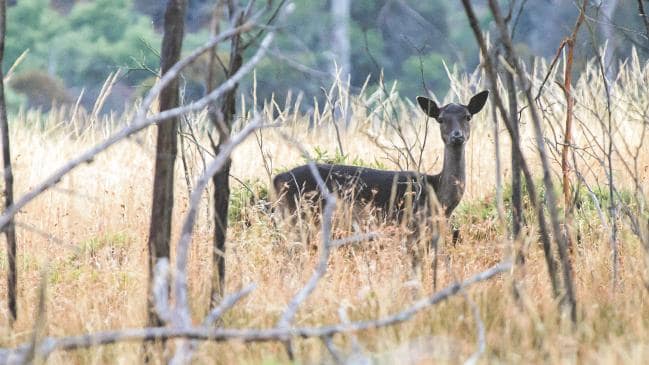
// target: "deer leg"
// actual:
[[456, 236], [419, 242]]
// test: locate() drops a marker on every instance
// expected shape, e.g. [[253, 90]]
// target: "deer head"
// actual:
[[454, 119]]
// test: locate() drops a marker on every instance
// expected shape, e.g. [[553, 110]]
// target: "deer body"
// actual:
[[388, 190]]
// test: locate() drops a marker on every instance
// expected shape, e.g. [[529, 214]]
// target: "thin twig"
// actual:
[[187, 348], [227, 303]]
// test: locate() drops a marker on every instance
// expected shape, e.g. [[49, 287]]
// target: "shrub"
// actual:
[[41, 89]]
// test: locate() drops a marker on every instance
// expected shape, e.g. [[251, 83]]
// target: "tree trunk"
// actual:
[[643, 15], [517, 210], [10, 229], [607, 29], [340, 45], [166, 149], [222, 120]]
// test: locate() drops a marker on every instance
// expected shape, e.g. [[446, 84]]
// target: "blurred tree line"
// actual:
[[75, 44]]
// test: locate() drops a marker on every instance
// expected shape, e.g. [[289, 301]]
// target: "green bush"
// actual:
[[83, 47], [40, 89]]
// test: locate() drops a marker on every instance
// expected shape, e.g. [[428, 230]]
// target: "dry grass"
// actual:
[[95, 259]]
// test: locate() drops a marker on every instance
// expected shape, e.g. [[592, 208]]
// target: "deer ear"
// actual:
[[478, 101], [428, 106]]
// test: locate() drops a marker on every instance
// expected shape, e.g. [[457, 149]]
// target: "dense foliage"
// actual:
[[82, 47], [77, 44]]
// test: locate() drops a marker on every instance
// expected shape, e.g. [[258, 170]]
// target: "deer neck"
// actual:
[[452, 178]]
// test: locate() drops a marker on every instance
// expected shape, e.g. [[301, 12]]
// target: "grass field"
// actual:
[[87, 238]]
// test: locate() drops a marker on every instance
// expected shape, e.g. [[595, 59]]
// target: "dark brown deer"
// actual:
[[387, 190]]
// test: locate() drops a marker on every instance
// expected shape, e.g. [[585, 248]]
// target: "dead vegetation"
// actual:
[[86, 238]]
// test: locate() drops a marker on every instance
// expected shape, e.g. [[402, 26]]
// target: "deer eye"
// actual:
[[468, 118]]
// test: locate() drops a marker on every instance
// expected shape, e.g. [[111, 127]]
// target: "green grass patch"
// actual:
[[321, 155], [247, 197]]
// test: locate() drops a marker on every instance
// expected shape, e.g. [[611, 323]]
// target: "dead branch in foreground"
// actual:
[[50, 344], [325, 250], [182, 314]]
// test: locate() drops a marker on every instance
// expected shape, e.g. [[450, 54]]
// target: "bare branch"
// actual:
[[49, 345], [337, 356], [357, 355], [180, 285], [227, 303], [182, 315], [161, 289], [185, 350], [325, 248]]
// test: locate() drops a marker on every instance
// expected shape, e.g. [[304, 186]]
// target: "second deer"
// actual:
[[387, 191]]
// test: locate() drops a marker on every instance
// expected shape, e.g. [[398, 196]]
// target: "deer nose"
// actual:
[[457, 137]]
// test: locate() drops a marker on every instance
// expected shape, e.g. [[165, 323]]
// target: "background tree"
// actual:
[[166, 149], [395, 37], [606, 23], [10, 229], [340, 45], [222, 117]]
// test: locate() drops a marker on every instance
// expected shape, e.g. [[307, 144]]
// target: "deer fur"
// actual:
[[387, 191]]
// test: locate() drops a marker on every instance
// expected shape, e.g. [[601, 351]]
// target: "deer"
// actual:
[[389, 191]]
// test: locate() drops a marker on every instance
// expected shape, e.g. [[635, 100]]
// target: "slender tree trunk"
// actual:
[[340, 45], [166, 149], [10, 229], [222, 120], [567, 140], [499, 180], [341, 50], [215, 26], [517, 207], [567, 87], [607, 29]]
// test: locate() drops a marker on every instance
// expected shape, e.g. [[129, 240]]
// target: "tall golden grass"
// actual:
[[88, 236]]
